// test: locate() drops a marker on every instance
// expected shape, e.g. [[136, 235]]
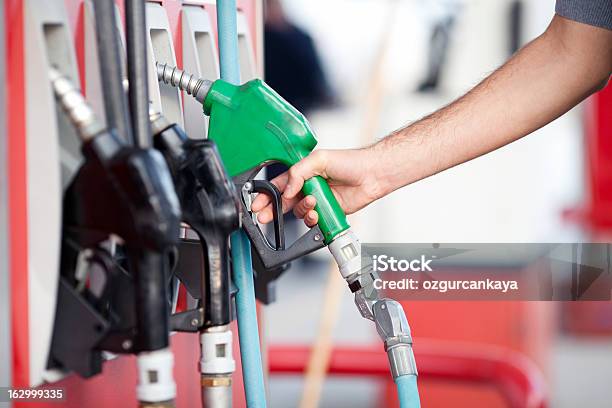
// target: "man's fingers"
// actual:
[[291, 183], [260, 202], [266, 214], [263, 200], [301, 209], [311, 219], [310, 166]]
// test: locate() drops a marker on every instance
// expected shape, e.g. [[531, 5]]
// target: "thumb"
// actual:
[[312, 165]]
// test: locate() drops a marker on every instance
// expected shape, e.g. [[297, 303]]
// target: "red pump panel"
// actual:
[[17, 191]]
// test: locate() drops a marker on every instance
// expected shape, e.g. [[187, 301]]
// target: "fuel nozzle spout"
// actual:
[[194, 86]]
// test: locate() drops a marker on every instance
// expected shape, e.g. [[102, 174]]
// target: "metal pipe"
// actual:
[[78, 111], [216, 392], [194, 86], [115, 104], [136, 31]]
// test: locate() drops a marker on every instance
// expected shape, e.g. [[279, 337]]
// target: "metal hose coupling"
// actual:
[[393, 329], [359, 275], [197, 87], [70, 98]]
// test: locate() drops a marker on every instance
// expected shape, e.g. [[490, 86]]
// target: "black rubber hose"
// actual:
[[152, 308], [136, 31], [115, 103]]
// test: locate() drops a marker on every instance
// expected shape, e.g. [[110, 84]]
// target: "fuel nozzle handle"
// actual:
[[253, 126]]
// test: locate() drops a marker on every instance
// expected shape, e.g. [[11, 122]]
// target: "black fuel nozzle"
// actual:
[[130, 190], [125, 194], [210, 207]]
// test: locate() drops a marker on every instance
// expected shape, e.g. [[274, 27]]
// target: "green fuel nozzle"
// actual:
[[254, 126]]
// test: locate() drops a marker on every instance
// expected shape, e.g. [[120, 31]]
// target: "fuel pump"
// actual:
[[253, 126], [210, 208], [108, 302]]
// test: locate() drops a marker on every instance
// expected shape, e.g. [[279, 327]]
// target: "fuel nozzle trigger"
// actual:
[[271, 259]]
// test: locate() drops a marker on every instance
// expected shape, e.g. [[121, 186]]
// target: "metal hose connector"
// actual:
[[216, 391], [393, 328], [77, 109], [194, 86]]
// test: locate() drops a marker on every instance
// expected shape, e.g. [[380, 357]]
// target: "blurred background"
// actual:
[[367, 67]]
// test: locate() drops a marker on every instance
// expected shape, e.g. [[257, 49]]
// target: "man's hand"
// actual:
[[351, 174], [541, 82]]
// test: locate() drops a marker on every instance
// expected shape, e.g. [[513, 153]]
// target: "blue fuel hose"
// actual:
[[250, 353], [228, 41], [407, 391]]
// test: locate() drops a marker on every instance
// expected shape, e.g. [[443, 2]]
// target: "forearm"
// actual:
[[541, 82]]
